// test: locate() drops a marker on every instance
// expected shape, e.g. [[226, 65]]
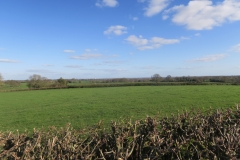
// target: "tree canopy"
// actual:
[[156, 78]]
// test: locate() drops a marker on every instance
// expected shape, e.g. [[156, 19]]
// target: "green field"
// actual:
[[86, 106], [6, 87]]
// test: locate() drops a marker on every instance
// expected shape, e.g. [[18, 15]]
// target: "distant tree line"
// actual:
[[37, 81], [197, 79]]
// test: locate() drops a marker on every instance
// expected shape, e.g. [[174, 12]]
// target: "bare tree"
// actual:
[[156, 78], [168, 78]]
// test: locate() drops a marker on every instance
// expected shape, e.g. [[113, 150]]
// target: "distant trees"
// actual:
[[156, 78], [13, 83], [61, 82], [1, 80], [36, 81], [169, 78]]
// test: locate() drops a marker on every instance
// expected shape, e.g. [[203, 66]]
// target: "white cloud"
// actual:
[[117, 30], [106, 3], [86, 56], [68, 51], [209, 58], [73, 66], [137, 41], [8, 61], [154, 42], [155, 7], [204, 15], [236, 48]]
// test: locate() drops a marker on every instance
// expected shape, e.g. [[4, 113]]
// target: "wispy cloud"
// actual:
[[135, 18], [113, 62], [184, 38], [8, 61], [73, 66], [69, 51], [38, 71], [236, 48], [197, 34], [116, 30], [155, 7], [47, 65], [184, 68], [209, 58], [106, 3], [1, 49], [155, 42], [87, 56], [109, 63], [149, 67], [204, 15]]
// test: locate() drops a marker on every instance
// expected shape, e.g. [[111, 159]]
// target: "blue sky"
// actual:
[[119, 38]]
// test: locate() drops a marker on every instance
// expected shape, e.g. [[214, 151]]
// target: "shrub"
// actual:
[[189, 135]]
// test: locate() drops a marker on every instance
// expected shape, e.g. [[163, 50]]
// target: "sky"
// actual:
[[119, 38]]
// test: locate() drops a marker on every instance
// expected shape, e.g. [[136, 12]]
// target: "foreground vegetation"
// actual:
[[86, 106], [190, 135]]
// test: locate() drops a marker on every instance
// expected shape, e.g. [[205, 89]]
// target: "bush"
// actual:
[[190, 135]]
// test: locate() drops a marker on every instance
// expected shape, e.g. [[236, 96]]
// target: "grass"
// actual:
[[86, 106], [6, 87]]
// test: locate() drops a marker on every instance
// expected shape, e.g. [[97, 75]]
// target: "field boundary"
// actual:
[[99, 85]]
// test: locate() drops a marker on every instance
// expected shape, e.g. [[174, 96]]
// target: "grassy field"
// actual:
[[86, 106], [6, 87]]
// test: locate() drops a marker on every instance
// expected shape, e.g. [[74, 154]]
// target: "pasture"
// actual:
[[86, 106]]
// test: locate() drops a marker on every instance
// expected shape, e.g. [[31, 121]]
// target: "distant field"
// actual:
[[86, 106], [7, 87]]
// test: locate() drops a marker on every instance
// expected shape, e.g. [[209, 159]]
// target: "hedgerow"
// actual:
[[188, 135]]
